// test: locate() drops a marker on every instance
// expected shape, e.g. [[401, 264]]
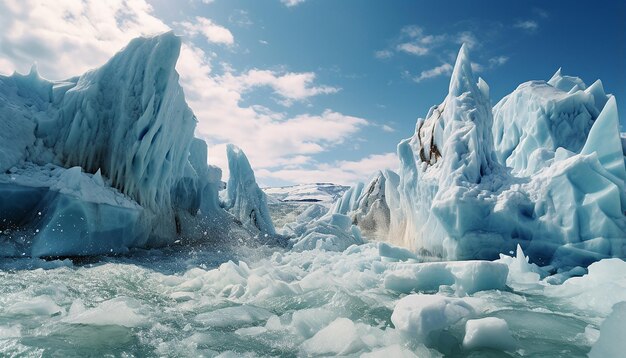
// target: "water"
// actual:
[[187, 301]]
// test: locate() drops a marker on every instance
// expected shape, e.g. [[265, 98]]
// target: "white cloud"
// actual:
[[340, 172], [383, 54], [68, 37], [291, 3], [212, 32], [289, 85], [528, 25], [263, 42], [412, 48], [387, 128], [498, 61], [441, 70], [240, 18], [467, 38]]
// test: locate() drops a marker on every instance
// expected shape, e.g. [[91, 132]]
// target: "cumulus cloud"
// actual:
[[498, 61], [387, 128], [383, 54], [289, 85], [414, 40], [444, 69], [290, 3], [412, 48], [68, 37], [209, 30], [528, 25]]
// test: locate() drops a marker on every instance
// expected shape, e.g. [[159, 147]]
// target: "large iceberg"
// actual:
[[544, 169], [105, 161]]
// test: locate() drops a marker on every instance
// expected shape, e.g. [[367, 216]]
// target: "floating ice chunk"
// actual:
[[467, 276], [488, 332], [423, 316], [38, 306], [338, 338], [597, 291], [521, 272], [233, 316], [244, 199], [394, 253], [119, 311], [309, 321], [611, 342]]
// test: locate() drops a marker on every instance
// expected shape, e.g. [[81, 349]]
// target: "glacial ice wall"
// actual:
[[105, 161]]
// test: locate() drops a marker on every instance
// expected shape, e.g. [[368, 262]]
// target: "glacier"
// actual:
[[107, 161], [544, 169]]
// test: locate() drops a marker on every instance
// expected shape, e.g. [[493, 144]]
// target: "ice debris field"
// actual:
[[502, 233]]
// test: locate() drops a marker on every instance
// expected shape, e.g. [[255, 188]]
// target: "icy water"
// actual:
[[197, 302]]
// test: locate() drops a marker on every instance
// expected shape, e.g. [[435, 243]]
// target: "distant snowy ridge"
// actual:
[[324, 193], [544, 168], [107, 161]]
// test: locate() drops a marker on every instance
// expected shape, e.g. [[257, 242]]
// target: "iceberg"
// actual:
[[543, 169], [106, 161]]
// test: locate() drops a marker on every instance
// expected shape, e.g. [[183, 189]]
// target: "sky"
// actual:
[[323, 90]]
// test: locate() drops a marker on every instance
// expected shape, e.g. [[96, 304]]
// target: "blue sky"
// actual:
[[321, 90]]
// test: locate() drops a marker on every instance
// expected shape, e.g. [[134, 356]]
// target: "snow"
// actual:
[[488, 332], [244, 199], [611, 342]]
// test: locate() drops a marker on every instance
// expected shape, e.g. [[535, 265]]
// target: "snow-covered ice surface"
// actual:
[[205, 301]]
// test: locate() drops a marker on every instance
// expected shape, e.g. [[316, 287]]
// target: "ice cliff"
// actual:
[[543, 168], [105, 161]]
